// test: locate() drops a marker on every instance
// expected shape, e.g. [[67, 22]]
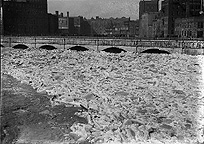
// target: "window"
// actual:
[[199, 34], [200, 24], [190, 33]]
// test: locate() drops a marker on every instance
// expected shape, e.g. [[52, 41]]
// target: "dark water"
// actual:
[[114, 50], [29, 115]]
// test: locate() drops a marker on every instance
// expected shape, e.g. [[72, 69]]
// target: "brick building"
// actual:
[[192, 27], [25, 17]]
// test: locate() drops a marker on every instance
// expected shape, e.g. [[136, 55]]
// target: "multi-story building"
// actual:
[[146, 29], [74, 26], [79, 26], [158, 26], [118, 27], [192, 27], [63, 23], [53, 24], [146, 6], [134, 28], [173, 9], [25, 17], [101, 26]]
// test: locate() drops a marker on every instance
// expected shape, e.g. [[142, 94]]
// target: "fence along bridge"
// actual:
[[172, 46]]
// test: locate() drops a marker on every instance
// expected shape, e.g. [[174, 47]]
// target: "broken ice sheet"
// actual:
[[174, 77]]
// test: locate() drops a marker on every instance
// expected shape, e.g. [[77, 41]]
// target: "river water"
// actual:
[[28, 117]]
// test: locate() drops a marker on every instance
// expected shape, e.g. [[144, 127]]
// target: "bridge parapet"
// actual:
[[114, 42]]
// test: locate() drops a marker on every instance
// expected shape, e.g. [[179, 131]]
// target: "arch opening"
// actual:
[[79, 48], [114, 50], [20, 46], [156, 51], [48, 47], [1, 46]]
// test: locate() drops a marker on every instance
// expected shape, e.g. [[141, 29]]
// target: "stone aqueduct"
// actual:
[[134, 45]]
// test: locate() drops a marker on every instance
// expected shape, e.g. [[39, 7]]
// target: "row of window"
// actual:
[[190, 34], [190, 25]]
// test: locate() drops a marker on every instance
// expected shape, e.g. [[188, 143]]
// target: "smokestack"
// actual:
[[68, 20], [160, 3]]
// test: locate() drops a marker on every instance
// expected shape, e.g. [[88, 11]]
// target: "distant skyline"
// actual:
[[93, 8]]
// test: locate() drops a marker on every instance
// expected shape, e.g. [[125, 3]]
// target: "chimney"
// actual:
[[67, 14], [61, 14], [57, 13]]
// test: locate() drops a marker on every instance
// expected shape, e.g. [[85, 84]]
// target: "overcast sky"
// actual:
[[93, 8]]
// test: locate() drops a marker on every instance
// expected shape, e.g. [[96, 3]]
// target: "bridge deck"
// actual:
[[102, 43]]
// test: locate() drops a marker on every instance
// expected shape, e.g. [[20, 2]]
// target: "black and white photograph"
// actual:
[[102, 71]]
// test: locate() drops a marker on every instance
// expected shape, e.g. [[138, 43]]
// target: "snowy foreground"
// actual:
[[127, 98]]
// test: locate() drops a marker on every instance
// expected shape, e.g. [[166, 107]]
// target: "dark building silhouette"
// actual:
[[173, 9], [25, 17], [79, 26], [53, 24], [74, 26], [146, 6], [86, 28]]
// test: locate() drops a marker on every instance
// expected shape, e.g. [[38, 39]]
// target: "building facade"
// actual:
[[63, 23], [117, 27], [73, 26], [146, 6], [146, 29], [173, 9], [188, 28], [134, 28], [158, 27], [53, 24], [25, 17]]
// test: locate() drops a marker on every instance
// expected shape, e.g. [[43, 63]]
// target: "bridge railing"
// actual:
[[192, 44]]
